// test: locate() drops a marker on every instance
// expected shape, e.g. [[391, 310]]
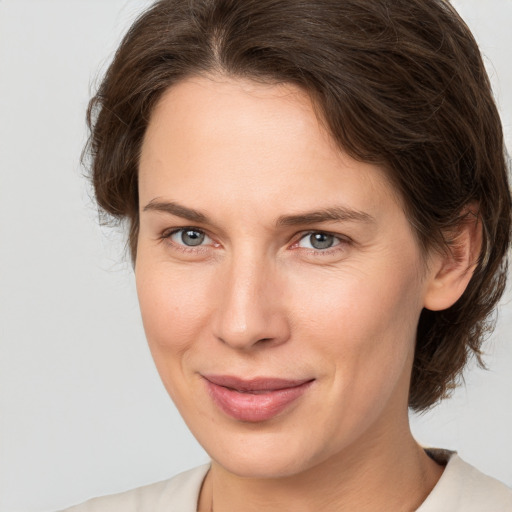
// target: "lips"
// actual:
[[254, 400]]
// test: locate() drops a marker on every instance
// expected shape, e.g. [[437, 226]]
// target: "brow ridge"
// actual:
[[335, 213], [176, 209]]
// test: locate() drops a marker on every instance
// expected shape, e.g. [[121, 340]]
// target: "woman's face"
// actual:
[[279, 280]]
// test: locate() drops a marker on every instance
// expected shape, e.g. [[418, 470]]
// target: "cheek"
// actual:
[[174, 307], [365, 328], [352, 303]]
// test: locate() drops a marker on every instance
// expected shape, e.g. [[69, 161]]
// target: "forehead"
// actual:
[[223, 111], [240, 138]]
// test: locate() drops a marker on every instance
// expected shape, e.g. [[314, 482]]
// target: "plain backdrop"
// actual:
[[82, 410]]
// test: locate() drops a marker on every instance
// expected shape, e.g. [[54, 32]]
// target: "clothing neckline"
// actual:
[[461, 487]]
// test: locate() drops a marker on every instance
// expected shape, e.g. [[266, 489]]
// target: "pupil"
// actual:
[[321, 240], [192, 237]]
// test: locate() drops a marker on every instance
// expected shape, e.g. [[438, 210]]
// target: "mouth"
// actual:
[[254, 400]]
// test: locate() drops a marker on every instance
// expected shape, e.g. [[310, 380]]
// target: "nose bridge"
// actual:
[[249, 310]]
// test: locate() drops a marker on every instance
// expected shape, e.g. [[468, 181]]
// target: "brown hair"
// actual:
[[400, 83]]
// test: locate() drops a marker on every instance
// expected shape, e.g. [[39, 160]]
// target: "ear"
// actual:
[[451, 270]]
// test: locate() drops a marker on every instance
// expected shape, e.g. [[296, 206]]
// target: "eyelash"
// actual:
[[341, 245], [167, 238]]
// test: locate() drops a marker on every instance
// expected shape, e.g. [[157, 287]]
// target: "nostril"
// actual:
[[245, 327]]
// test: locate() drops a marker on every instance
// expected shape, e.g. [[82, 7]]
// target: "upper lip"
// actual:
[[255, 384]]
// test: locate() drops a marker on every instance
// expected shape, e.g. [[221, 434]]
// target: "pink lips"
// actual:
[[256, 399]]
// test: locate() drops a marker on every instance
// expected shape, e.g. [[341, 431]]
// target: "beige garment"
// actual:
[[461, 488], [179, 494]]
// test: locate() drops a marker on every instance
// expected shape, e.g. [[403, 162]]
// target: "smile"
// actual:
[[254, 400]]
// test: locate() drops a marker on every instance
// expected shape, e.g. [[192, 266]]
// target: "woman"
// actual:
[[319, 218]]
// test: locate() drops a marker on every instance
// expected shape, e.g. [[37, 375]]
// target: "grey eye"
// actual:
[[188, 237], [319, 241]]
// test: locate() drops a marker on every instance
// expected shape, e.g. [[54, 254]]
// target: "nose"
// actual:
[[251, 310]]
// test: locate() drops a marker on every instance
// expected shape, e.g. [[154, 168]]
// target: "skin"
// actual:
[[255, 298]]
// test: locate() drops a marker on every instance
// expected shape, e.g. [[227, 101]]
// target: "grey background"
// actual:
[[82, 410]]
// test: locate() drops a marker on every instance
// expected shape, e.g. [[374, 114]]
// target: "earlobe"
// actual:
[[452, 269]]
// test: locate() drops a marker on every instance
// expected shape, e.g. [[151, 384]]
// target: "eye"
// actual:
[[318, 241], [189, 237]]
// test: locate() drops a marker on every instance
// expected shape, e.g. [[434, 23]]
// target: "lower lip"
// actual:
[[255, 407]]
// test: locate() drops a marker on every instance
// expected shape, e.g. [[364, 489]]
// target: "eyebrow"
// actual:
[[176, 209], [336, 214]]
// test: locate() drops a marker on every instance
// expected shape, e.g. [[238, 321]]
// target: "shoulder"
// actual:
[[463, 488], [178, 494]]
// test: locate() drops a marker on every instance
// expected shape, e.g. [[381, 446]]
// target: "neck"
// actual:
[[386, 471]]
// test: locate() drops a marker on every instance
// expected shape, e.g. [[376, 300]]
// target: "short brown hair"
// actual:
[[400, 83]]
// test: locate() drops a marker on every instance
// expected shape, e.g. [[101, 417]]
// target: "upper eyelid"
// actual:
[[339, 236], [295, 239], [298, 236], [166, 234], [343, 240], [171, 231]]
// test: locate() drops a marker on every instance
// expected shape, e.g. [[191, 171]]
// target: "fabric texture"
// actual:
[[461, 488], [178, 494]]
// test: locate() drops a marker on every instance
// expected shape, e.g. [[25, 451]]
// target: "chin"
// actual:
[[261, 457], [262, 467]]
